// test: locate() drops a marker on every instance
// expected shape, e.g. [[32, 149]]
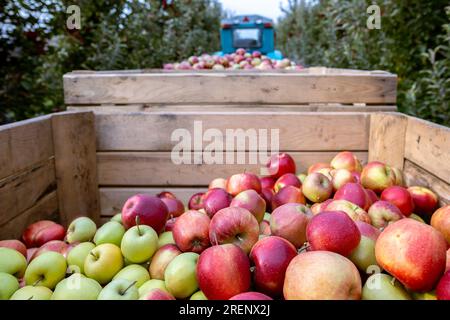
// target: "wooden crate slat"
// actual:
[[416, 176], [157, 168], [75, 162], [23, 144], [306, 131], [20, 192], [228, 87], [428, 145], [387, 138]]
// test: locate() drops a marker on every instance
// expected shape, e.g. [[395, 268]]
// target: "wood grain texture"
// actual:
[[157, 168], [75, 162], [20, 192], [298, 131], [23, 144], [228, 87], [417, 176], [428, 145], [113, 199], [387, 138], [45, 209]]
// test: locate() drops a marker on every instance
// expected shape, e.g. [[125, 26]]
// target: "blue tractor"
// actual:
[[253, 33]]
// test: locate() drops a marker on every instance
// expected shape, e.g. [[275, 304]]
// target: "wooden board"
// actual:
[[387, 138], [298, 131], [20, 192], [416, 176], [75, 162], [23, 144], [428, 145], [113, 199], [157, 168], [228, 87], [45, 209]]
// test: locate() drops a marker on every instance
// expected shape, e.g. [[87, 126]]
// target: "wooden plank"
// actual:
[[387, 138], [113, 199], [428, 145], [23, 144], [157, 168], [75, 162], [45, 209], [298, 131], [20, 192], [417, 176], [228, 87]]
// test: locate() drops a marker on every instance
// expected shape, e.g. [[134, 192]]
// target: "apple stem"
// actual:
[[137, 225], [132, 284], [37, 281], [30, 298], [305, 247], [94, 255]]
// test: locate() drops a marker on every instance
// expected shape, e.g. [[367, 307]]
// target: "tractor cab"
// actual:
[[253, 33]]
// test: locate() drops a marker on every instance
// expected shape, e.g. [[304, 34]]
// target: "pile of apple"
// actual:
[[240, 60], [339, 231]]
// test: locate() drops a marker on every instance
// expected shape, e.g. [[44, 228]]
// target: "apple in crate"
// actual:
[[363, 256], [196, 201], [46, 270], [252, 201], [148, 210], [400, 197], [161, 260], [81, 229], [280, 164], [443, 287], [243, 181], [38, 233], [55, 246], [77, 287], [380, 286], [10, 284], [355, 193], [218, 183], [352, 210], [32, 293], [382, 213], [425, 200], [317, 187], [139, 243], [340, 177], [289, 222], [180, 275], [103, 263], [267, 182], [288, 194], [14, 244], [166, 194], [440, 220], [316, 167], [12, 262], [174, 206], [215, 200], [223, 271], [119, 289], [377, 176], [346, 160], [287, 179], [191, 231]]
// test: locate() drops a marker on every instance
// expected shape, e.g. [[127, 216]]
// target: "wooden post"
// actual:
[[76, 165]]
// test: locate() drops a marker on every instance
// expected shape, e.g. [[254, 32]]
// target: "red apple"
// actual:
[[30, 253], [174, 206], [223, 272], [191, 231], [333, 231], [280, 164], [264, 228], [218, 183], [169, 224], [147, 209], [340, 177], [252, 201], [14, 244], [161, 260], [243, 181], [425, 200], [346, 160], [54, 245], [166, 194], [355, 193], [250, 296], [412, 252], [400, 197], [440, 220], [318, 166], [267, 194], [377, 176], [216, 199], [382, 213], [38, 233], [319, 207], [196, 201], [372, 196], [357, 176], [443, 287], [287, 179], [289, 194], [289, 221], [322, 275], [368, 230], [317, 187], [267, 182], [271, 257], [158, 294], [234, 225], [352, 210]]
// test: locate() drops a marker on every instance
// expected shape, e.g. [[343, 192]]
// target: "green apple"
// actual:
[[46, 270], [119, 289], [363, 256], [12, 262], [110, 232], [32, 293], [81, 229], [150, 285], [165, 238], [117, 218], [77, 256], [134, 272], [103, 262], [77, 287], [181, 276], [380, 286], [9, 285], [139, 243], [199, 295]]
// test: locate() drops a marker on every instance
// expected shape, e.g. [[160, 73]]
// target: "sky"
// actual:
[[267, 8]]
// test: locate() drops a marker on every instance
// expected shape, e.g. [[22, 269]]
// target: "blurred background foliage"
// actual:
[[36, 48]]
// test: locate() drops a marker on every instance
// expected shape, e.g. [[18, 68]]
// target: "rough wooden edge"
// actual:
[[76, 165], [387, 138]]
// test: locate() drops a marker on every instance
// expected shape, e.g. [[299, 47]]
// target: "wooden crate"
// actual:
[[312, 89], [83, 163]]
